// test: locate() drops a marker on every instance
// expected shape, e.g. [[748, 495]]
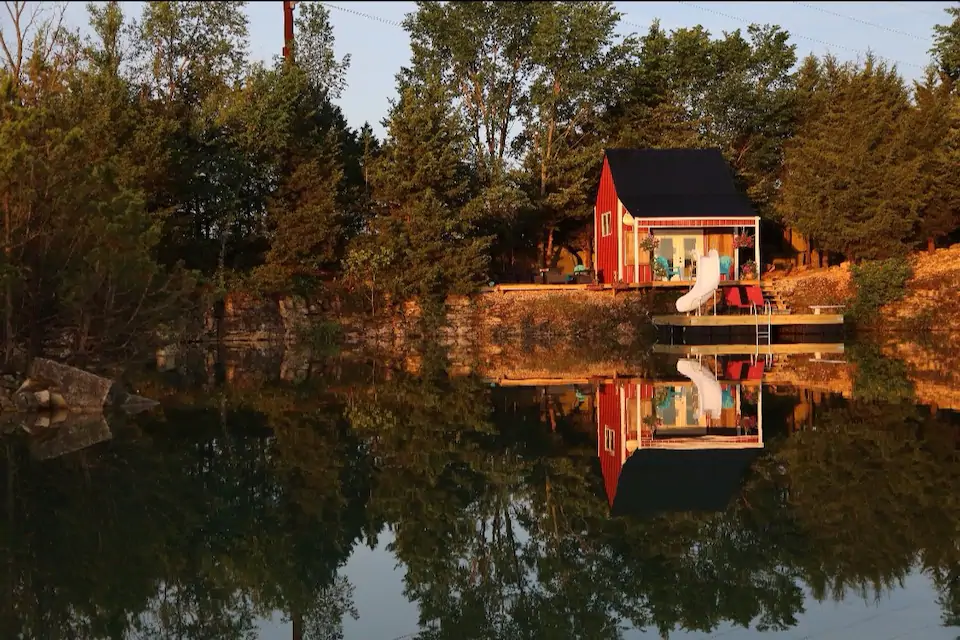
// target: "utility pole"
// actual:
[[288, 29]]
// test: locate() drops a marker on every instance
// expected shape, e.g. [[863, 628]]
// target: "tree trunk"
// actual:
[[931, 244], [297, 620], [548, 249], [8, 289]]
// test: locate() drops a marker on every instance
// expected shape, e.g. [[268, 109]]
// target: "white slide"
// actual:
[[708, 279], [708, 389]]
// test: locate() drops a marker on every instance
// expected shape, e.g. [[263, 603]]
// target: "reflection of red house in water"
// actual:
[[665, 415]]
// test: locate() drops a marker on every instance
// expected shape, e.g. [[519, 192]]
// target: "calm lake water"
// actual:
[[698, 497]]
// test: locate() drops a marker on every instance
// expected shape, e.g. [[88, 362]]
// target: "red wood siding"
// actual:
[[606, 258], [608, 417]]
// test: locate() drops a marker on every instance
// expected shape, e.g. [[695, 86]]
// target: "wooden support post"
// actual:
[[756, 246], [288, 28], [618, 222]]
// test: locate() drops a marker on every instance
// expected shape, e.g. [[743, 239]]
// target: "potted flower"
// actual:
[[659, 271], [748, 270], [743, 241], [649, 242]]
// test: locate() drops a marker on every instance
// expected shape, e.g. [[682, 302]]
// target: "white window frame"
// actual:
[[609, 439], [606, 223]]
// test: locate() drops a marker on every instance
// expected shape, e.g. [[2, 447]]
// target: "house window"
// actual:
[[606, 228], [630, 256], [609, 439]]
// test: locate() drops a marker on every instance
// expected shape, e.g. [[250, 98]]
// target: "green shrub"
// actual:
[[324, 337], [878, 378], [878, 283]]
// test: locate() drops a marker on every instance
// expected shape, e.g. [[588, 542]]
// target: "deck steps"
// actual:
[[773, 296]]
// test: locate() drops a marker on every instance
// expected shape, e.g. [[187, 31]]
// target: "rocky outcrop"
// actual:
[[54, 387], [73, 388], [930, 304]]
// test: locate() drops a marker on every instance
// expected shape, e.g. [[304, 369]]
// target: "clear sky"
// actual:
[[370, 32]]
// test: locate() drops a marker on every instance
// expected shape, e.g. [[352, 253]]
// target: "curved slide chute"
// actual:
[[708, 388], [708, 279]]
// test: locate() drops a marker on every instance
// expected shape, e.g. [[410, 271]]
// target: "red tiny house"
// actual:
[[687, 199]]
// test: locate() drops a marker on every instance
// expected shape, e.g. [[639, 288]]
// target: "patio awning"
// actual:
[[656, 481]]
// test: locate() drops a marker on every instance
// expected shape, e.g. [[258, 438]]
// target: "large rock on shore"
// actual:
[[79, 390], [51, 386]]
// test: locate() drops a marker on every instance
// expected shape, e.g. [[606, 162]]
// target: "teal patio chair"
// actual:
[[726, 263], [728, 400], [666, 267]]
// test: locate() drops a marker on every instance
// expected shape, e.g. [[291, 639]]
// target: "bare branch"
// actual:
[[24, 23], [54, 31], [14, 62]]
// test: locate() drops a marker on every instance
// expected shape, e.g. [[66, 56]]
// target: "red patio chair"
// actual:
[[756, 371], [735, 369], [755, 297], [733, 299]]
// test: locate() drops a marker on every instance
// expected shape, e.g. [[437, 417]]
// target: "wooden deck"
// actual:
[[657, 284], [748, 320], [746, 349]]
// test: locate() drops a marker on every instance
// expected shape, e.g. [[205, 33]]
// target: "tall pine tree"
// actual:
[[850, 179], [421, 186], [931, 128]]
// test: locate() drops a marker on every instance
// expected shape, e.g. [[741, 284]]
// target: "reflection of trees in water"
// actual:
[[197, 527], [187, 532]]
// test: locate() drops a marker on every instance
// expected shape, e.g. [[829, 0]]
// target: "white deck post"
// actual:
[[760, 412], [736, 256], [756, 246], [619, 228], [622, 454], [636, 250], [601, 434], [639, 425]]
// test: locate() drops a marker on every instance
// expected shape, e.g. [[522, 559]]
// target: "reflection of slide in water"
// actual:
[[708, 279], [708, 389]]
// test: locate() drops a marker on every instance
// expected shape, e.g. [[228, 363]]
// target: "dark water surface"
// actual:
[[702, 500]]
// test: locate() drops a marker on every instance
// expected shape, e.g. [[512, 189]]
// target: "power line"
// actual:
[[695, 6], [913, 4], [862, 21], [808, 38], [363, 15]]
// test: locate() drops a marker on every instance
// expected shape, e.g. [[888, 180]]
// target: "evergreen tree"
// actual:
[[850, 179], [421, 186], [306, 222], [931, 130], [946, 48]]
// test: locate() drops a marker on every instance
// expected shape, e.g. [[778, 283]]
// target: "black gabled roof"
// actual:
[[676, 183], [657, 481]]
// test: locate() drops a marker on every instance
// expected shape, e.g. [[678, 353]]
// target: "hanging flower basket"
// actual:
[[649, 242], [743, 241], [748, 270]]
